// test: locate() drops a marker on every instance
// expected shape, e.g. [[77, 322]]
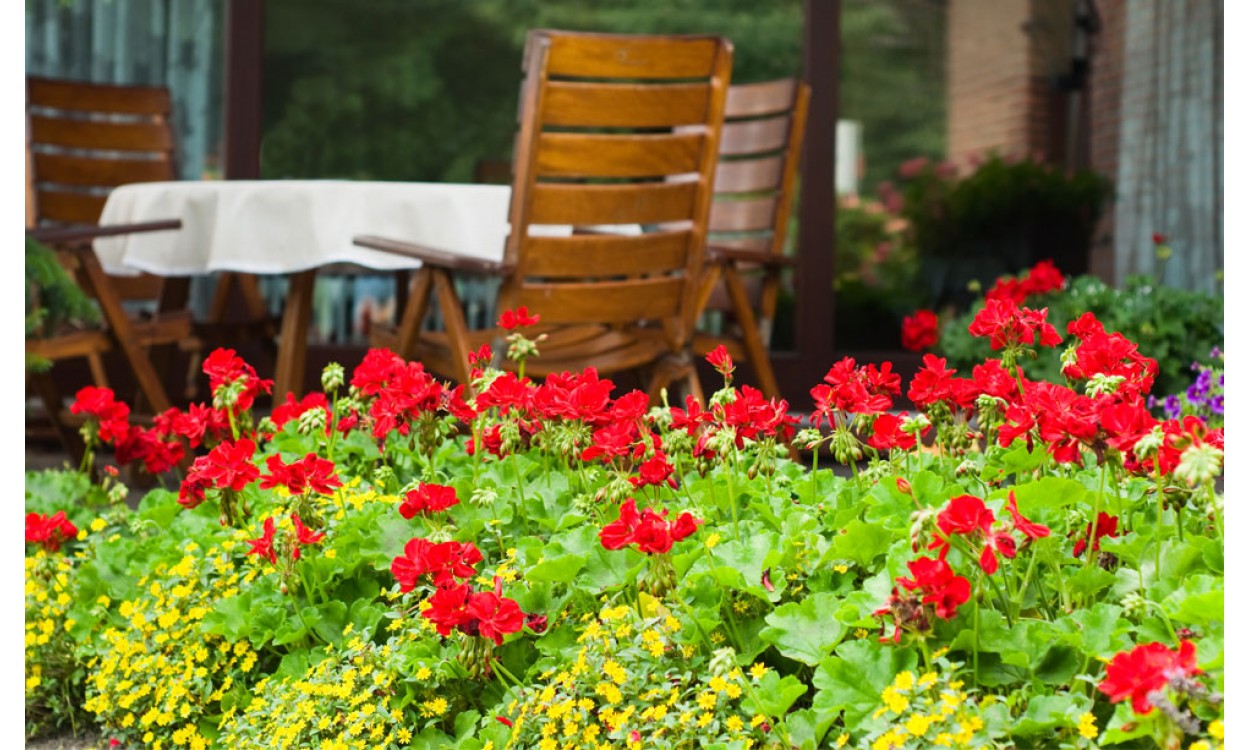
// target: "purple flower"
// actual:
[[1172, 407]]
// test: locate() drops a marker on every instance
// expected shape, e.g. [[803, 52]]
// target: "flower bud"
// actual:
[[332, 377]]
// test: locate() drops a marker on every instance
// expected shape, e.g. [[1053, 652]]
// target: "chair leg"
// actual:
[[757, 355], [453, 319], [51, 398], [293, 346], [414, 308], [119, 325], [674, 368]]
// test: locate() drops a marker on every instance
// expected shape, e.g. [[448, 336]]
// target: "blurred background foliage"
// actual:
[[425, 89]]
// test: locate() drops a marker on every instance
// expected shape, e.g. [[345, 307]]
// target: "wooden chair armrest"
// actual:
[[718, 254], [82, 234], [431, 257]]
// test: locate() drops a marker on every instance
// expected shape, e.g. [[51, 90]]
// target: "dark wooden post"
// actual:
[[245, 54], [798, 371]]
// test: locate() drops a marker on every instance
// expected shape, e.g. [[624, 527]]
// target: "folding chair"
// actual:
[[750, 218], [598, 144]]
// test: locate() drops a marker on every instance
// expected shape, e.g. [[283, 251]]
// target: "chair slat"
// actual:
[[612, 56], [61, 169], [757, 99], [749, 175], [625, 301], [585, 205], [742, 215], [94, 134], [755, 136], [97, 97], [609, 255], [625, 105], [72, 208], [760, 243], [600, 155]]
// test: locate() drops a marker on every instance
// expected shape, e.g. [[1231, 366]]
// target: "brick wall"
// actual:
[[988, 72], [1106, 78]]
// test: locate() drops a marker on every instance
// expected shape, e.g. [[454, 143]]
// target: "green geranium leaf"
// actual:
[[776, 694], [1043, 713], [562, 569], [1124, 725], [861, 542], [231, 618], [806, 631], [1089, 581], [851, 681]]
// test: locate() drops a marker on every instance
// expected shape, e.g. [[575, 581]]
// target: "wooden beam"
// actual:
[[245, 54], [797, 372]]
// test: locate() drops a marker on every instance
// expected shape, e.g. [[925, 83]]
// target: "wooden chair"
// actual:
[[750, 216], [82, 140], [596, 146]]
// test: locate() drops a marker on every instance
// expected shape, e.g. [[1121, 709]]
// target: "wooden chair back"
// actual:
[[84, 139], [754, 193], [615, 130]]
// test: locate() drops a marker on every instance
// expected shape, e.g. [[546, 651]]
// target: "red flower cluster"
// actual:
[[1110, 354], [263, 546], [309, 474], [482, 613], [1008, 326], [428, 498], [292, 409], [1040, 279], [112, 416], [1107, 526], [938, 591], [719, 358], [920, 331], [444, 563], [1147, 668], [747, 417], [224, 366], [649, 531], [518, 318], [968, 516], [855, 390], [154, 447], [50, 531]]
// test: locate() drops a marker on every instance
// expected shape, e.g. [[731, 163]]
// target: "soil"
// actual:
[[67, 742]]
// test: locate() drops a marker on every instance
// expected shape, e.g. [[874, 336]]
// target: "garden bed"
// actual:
[[390, 562]]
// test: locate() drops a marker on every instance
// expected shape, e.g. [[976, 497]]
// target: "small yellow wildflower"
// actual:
[[1086, 727], [758, 671]]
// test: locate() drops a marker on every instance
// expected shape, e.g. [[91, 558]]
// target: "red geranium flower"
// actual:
[[230, 466], [428, 498], [1031, 530], [649, 531], [49, 531], [1008, 325], [1149, 667], [308, 473], [263, 545], [1107, 526], [493, 616], [920, 331], [444, 563], [112, 416], [304, 535], [518, 318], [719, 358], [938, 584]]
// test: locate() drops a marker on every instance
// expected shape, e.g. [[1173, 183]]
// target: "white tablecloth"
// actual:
[[284, 226]]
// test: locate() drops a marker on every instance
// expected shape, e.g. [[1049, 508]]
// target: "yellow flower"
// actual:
[[894, 700], [758, 671], [842, 740], [734, 723], [1217, 729], [1086, 727], [905, 680], [841, 568], [1200, 745], [712, 540]]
